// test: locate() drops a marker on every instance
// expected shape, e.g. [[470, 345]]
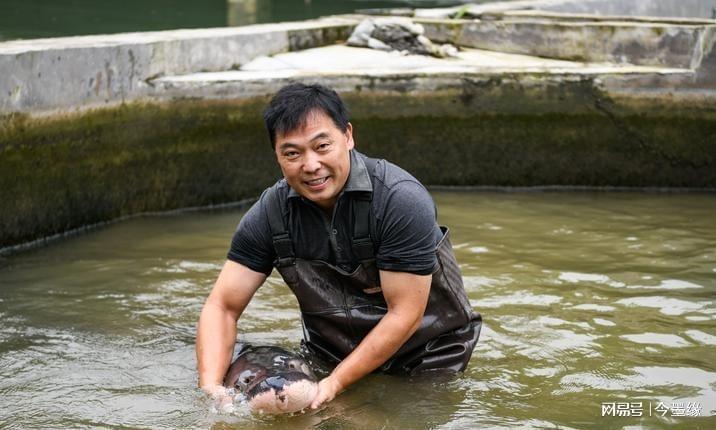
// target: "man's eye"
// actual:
[[291, 154], [324, 146]]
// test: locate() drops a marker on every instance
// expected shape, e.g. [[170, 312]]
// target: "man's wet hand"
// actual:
[[221, 396], [328, 388]]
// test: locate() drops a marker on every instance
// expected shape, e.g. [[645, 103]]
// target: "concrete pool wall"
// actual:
[[99, 127], [59, 75]]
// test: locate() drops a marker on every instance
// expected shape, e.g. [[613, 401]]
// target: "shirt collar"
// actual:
[[358, 178]]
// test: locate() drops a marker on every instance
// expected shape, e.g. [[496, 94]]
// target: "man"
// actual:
[[356, 240]]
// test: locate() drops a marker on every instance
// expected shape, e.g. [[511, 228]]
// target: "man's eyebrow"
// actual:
[[320, 135], [288, 145]]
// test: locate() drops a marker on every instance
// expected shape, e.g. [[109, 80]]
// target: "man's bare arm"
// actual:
[[216, 334], [407, 296]]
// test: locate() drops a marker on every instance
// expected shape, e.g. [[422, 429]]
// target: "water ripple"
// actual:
[[603, 322], [669, 340], [594, 307], [575, 277], [98, 332], [524, 298], [701, 337], [666, 305], [647, 379]]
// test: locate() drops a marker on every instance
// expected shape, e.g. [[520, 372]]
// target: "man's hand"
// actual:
[[328, 388], [215, 391], [220, 396]]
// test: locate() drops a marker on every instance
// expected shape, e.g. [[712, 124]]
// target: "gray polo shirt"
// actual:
[[403, 224]]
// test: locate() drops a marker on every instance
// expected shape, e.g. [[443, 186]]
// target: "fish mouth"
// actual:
[[282, 393], [277, 383]]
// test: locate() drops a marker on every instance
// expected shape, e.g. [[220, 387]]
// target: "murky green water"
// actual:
[[28, 19], [589, 299]]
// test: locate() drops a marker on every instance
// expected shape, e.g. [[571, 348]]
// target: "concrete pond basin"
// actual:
[[542, 93]]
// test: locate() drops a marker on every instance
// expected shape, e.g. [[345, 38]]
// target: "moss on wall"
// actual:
[[507, 133], [61, 173], [549, 149]]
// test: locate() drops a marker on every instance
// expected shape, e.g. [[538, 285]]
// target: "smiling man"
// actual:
[[356, 240]]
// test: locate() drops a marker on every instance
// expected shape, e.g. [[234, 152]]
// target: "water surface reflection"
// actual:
[[587, 298]]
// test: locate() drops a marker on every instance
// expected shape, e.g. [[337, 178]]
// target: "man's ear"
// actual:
[[349, 136]]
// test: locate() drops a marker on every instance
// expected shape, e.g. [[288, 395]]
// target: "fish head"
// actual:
[[282, 393], [273, 379], [243, 375]]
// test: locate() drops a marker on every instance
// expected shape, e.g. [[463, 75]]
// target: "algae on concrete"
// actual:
[[62, 173], [598, 143], [67, 172]]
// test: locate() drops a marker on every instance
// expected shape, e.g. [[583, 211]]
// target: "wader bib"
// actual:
[[338, 308]]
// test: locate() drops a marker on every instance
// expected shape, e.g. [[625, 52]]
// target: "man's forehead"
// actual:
[[315, 122], [316, 115]]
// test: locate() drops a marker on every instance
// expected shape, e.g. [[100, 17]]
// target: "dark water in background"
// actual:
[[588, 298], [28, 19]]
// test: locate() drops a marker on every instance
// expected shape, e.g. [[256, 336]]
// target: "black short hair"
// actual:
[[291, 105]]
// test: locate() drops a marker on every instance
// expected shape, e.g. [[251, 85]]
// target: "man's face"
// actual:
[[315, 160]]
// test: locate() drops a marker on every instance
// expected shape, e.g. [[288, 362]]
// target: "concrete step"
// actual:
[[350, 68]]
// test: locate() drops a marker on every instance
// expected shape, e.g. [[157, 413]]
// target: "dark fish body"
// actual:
[[274, 380]]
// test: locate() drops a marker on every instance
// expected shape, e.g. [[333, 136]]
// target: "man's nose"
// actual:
[[313, 162]]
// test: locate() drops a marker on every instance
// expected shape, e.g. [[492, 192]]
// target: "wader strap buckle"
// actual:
[[284, 262], [283, 246]]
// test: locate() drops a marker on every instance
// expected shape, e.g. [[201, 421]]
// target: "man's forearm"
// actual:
[[406, 295], [377, 347], [216, 336]]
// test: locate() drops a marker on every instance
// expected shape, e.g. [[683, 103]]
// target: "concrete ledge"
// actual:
[[585, 17], [54, 75], [638, 43], [369, 71], [668, 33], [49, 76], [534, 87], [653, 9]]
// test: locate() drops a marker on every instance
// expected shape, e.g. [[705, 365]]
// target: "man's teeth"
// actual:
[[317, 181]]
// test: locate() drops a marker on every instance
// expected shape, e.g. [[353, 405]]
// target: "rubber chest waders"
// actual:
[[338, 308]]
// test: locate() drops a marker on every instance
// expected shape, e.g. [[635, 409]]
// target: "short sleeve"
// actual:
[[252, 245], [408, 232]]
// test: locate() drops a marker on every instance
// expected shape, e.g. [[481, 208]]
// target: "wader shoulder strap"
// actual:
[[276, 206], [362, 243]]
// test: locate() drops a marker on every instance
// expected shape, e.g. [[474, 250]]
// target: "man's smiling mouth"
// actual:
[[317, 182]]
